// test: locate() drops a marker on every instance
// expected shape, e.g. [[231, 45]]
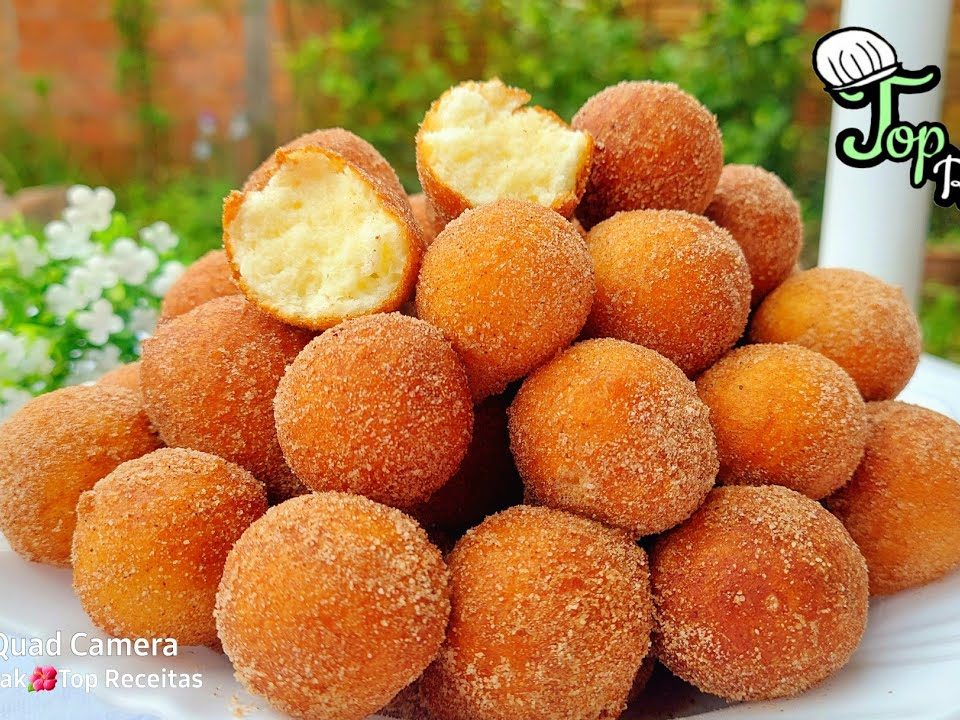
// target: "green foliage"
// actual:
[[134, 21], [940, 320]]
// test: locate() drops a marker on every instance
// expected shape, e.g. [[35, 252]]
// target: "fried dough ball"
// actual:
[[206, 279], [479, 142], [485, 482], [902, 506], [510, 284], [657, 148], [784, 415], [615, 432], [343, 142], [761, 594], [124, 376], [860, 322], [551, 618], [670, 281], [760, 211], [424, 215], [151, 541], [347, 593], [208, 379], [378, 406], [321, 239], [55, 447]]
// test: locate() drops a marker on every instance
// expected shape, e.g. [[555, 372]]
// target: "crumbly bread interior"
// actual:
[[484, 144], [317, 241]]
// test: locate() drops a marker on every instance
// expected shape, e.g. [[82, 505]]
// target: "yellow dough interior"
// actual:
[[317, 242], [485, 145]]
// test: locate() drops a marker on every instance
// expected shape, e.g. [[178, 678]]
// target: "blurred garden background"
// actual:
[[171, 102]]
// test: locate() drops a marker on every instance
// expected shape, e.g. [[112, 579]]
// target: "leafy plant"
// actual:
[[940, 320]]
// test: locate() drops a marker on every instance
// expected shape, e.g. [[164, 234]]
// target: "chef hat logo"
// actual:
[[853, 57]]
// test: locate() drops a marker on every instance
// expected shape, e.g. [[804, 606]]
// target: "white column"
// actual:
[[873, 220]]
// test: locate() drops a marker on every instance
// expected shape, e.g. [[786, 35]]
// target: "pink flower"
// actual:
[[43, 678]]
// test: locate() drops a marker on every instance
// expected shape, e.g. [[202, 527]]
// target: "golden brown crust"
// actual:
[[863, 324], [151, 541], [670, 281], [485, 482], [54, 448], [346, 594], [902, 506], [125, 376], [550, 618], [392, 201], [761, 594], [447, 204], [208, 379], [426, 217], [657, 147], [343, 142], [510, 284], [207, 278], [784, 415], [761, 213], [615, 432], [378, 406]]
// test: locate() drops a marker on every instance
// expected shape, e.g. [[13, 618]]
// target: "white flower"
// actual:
[[13, 349], [89, 281], [67, 241], [143, 321], [29, 255], [93, 363], [132, 262], [169, 274], [61, 300], [11, 400], [100, 321], [206, 124], [160, 236], [89, 208], [239, 127], [201, 150]]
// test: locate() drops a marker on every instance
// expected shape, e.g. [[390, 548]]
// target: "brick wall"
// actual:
[[199, 54]]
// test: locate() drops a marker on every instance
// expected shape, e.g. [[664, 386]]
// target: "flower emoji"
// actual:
[[131, 262], [853, 57], [159, 236], [89, 208], [43, 678], [67, 241], [99, 321]]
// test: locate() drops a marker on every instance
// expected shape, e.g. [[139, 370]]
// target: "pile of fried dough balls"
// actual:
[[499, 445]]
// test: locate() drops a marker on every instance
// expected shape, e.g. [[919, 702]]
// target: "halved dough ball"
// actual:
[[124, 376], [55, 447], [657, 148], [550, 618], [763, 216], [330, 604], [207, 278], [761, 594], [377, 406], [343, 142], [479, 143], [510, 284], [322, 240], [863, 324], [902, 506], [784, 415], [208, 378], [616, 432], [151, 541], [670, 281]]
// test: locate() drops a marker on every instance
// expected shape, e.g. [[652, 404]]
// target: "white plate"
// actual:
[[907, 667]]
